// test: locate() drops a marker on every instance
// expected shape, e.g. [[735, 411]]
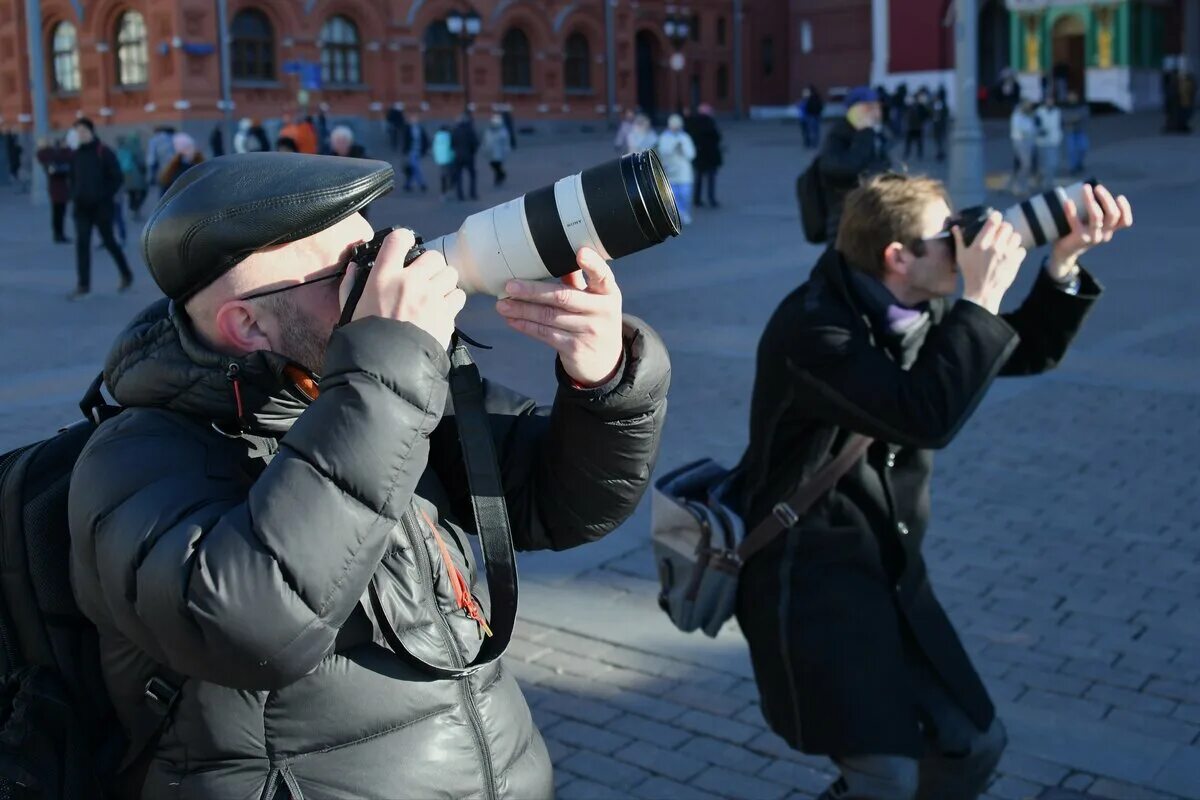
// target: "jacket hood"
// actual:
[[159, 362]]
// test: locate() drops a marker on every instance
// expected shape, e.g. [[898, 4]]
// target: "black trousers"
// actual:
[[58, 213], [459, 168], [136, 198], [498, 173], [916, 138], [99, 217], [708, 176]]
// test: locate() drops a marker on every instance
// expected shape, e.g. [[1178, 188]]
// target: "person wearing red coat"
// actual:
[[55, 158]]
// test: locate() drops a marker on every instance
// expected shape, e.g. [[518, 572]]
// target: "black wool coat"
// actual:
[[829, 606]]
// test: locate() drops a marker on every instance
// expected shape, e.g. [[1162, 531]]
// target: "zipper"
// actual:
[[464, 683]]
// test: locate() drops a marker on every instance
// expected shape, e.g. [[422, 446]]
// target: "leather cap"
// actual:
[[222, 210]]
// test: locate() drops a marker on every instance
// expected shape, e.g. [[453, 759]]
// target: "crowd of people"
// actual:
[[690, 150]]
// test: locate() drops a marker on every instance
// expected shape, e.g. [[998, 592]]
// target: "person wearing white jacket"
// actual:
[[1022, 132], [677, 151], [1049, 140]]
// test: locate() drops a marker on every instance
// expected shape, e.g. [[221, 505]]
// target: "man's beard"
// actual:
[[300, 339]]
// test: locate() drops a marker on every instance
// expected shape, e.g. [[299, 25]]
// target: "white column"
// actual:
[[880, 48], [966, 142]]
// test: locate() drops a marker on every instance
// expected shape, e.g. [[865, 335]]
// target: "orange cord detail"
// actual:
[[462, 592]]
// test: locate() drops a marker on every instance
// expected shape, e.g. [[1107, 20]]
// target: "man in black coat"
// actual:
[[278, 525], [702, 127], [853, 654], [465, 142], [95, 180], [855, 147]]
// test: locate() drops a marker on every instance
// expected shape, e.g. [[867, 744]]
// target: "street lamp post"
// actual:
[[966, 146], [40, 109], [464, 27], [677, 27]]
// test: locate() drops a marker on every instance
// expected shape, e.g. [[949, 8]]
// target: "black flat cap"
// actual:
[[220, 211]]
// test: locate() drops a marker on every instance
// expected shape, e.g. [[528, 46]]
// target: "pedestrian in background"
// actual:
[[159, 152], [641, 136], [395, 125], [216, 141], [250, 137], [416, 145], [465, 142], [286, 144], [897, 105], [55, 159], [939, 118], [915, 117], [1075, 116], [706, 136], [1048, 122], [443, 157], [95, 181], [621, 140], [855, 147], [497, 143], [677, 150], [186, 156], [133, 170], [1022, 132], [811, 109], [341, 143]]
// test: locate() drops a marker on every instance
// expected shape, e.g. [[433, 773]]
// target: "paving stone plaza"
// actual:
[[1066, 516]]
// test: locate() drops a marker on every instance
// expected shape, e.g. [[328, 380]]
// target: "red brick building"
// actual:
[[140, 62]]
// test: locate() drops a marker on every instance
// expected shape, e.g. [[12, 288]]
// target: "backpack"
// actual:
[[810, 196], [59, 734]]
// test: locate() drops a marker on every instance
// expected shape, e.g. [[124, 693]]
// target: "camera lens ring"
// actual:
[[646, 181]]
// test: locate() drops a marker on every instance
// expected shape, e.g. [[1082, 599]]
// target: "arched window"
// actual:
[[516, 71], [341, 62], [65, 47], [132, 57], [252, 46], [722, 82], [720, 30], [577, 63], [441, 56]]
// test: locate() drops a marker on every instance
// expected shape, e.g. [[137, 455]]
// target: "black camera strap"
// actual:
[[491, 519]]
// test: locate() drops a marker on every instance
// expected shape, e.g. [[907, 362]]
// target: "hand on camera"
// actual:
[[425, 293], [580, 318], [1105, 216], [989, 266]]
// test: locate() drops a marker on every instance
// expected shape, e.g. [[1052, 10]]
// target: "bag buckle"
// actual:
[[160, 694], [785, 514]]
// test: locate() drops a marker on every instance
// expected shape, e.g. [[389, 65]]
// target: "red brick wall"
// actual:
[[841, 43], [918, 39], [391, 33]]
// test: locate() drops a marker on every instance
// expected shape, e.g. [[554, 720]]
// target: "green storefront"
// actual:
[[1107, 52]]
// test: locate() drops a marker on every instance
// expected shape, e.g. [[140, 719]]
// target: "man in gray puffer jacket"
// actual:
[[257, 596]]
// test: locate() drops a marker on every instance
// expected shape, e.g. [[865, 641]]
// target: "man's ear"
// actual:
[[896, 259], [238, 328]]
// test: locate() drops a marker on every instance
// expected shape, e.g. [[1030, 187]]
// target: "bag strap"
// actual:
[[491, 518], [788, 512]]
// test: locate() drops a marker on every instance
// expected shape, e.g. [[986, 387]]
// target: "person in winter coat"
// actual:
[[443, 156], [707, 137], [186, 156], [133, 169], [642, 137], [55, 159], [1022, 132], [274, 535], [250, 137], [677, 150], [621, 140], [159, 152], [812, 107], [916, 115], [416, 145], [853, 654], [856, 146], [939, 118], [498, 145], [466, 144], [95, 182], [341, 143], [216, 141], [1075, 116], [1049, 138], [302, 133]]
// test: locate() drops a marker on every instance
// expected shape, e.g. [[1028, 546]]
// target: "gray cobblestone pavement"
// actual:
[[1066, 532]]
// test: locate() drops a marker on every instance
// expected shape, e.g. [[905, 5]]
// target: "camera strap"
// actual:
[[491, 519]]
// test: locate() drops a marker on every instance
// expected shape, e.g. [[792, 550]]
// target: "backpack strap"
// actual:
[[788, 511], [491, 518], [94, 406]]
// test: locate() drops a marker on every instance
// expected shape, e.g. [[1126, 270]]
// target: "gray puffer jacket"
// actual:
[[250, 580]]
